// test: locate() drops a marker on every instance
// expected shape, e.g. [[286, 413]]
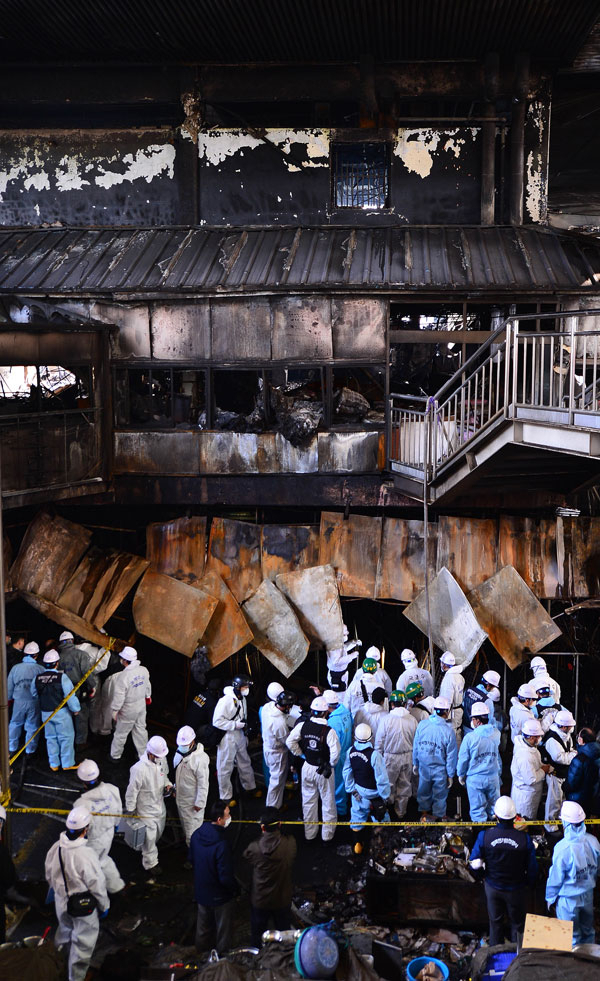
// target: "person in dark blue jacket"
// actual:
[[507, 857], [215, 886], [582, 783]]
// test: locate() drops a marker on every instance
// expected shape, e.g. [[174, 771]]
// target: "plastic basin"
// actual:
[[316, 954], [413, 968]]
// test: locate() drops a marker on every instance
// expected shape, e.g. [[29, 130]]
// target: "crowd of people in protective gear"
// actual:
[[360, 745]]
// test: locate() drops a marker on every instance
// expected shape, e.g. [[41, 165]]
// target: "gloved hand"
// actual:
[[148, 701], [450, 781], [11, 702], [356, 796], [416, 771], [104, 913], [358, 643], [462, 781], [550, 904], [114, 716], [239, 724], [92, 694]]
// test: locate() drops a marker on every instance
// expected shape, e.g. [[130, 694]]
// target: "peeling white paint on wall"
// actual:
[[215, 145], [67, 175], [418, 147], [149, 162], [535, 178], [29, 167]]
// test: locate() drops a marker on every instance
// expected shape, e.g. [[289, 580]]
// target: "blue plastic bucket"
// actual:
[[316, 954], [413, 968]]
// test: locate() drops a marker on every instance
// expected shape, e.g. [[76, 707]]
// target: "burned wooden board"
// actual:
[[454, 626], [276, 628], [49, 554], [401, 571], [468, 548], [178, 548], [171, 612], [514, 620], [286, 548], [578, 557], [100, 583], [529, 545], [234, 553], [70, 621], [315, 599], [227, 630], [352, 547]]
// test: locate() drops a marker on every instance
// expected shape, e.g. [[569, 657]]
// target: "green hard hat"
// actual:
[[369, 666], [398, 697], [414, 689]]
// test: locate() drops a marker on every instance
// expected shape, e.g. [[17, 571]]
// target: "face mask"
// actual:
[[245, 692], [227, 821], [546, 702], [183, 750]]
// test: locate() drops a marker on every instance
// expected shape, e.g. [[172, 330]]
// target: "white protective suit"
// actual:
[[145, 797], [83, 873], [338, 660], [423, 710], [191, 789], [554, 685], [354, 698], [131, 689], [104, 798], [101, 706], [275, 730], [382, 677], [374, 716], [452, 687], [519, 714], [558, 754], [527, 778], [394, 741], [230, 715], [415, 673], [314, 785]]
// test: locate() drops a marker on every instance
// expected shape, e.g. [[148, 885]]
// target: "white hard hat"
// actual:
[[493, 695], [88, 770], [31, 648], [407, 656], [441, 703], [331, 697], [448, 658], [66, 635], [527, 691], [51, 657], [374, 653], [572, 813], [129, 654], [185, 736], [363, 732], [505, 808], [157, 746], [537, 662], [564, 718], [541, 681], [479, 708], [319, 704], [492, 678], [532, 728], [2, 813], [273, 690], [78, 819]]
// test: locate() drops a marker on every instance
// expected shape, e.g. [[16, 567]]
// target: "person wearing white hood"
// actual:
[[528, 771], [338, 660], [72, 868], [394, 741], [145, 798], [412, 672], [452, 687], [374, 712], [558, 750], [318, 743], [573, 874], [538, 666], [521, 709], [131, 694], [276, 729], [231, 716], [381, 675], [191, 781], [101, 798], [264, 713]]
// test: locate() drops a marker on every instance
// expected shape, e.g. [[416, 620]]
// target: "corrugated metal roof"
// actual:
[[199, 260], [292, 30]]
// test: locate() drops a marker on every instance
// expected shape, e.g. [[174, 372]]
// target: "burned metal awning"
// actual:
[[190, 261]]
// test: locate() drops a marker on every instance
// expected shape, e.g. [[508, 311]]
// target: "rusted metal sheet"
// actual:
[[352, 547], [514, 620], [454, 626], [401, 572], [234, 553], [181, 332], [100, 583], [348, 452], [178, 548], [529, 545], [171, 612], [358, 325], [227, 630], [70, 621], [275, 454], [277, 631], [315, 598], [301, 328], [51, 550], [578, 557], [287, 548], [241, 330], [157, 453], [228, 452], [468, 548]]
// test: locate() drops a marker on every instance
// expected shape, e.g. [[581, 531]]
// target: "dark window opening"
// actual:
[[358, 397], [361, 175], [159, 398]]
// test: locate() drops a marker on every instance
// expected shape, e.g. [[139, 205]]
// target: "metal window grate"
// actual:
[[361, 175]]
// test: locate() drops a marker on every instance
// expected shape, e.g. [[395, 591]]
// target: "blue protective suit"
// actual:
[[479, 762], [26, 709], [360, 809], [434, 754], [571, 880], [60, 731], [340, 721]]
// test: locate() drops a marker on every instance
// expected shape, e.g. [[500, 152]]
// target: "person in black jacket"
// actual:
[[215, 886], [8, 876], [508, 858], [271, 857], [582, 783]]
